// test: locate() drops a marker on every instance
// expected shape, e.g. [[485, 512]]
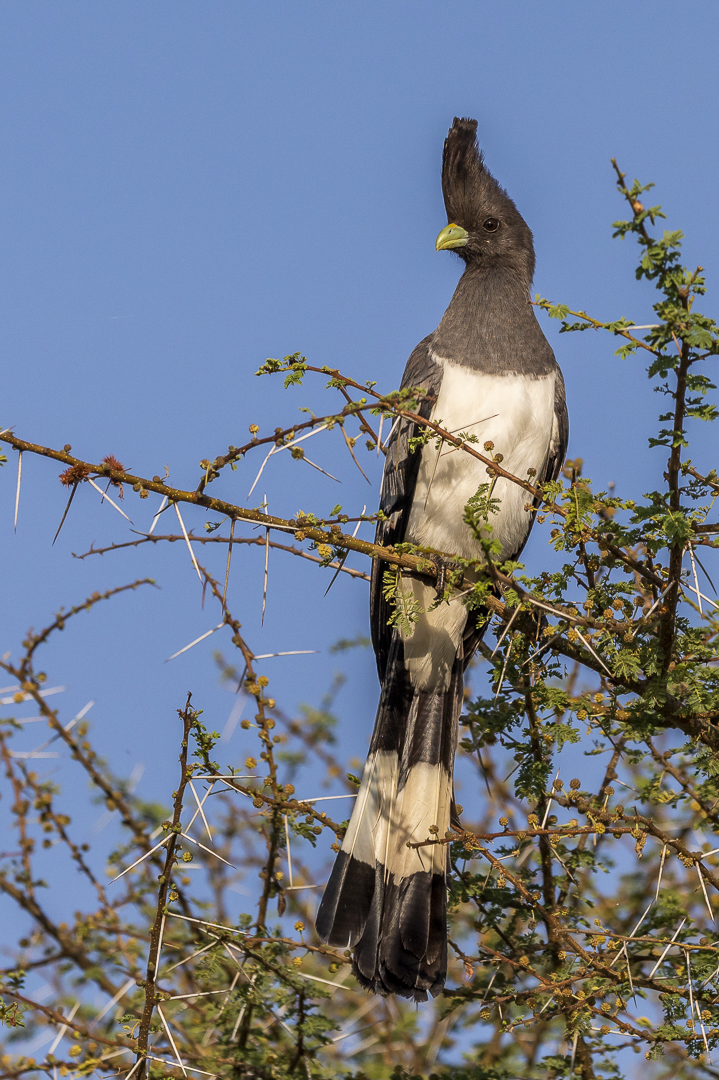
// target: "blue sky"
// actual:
[[189, 188]]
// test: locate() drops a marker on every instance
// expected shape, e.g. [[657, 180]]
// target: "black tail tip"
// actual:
[[385, 983]]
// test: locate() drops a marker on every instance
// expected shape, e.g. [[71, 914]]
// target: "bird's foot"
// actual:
[[444, 568]]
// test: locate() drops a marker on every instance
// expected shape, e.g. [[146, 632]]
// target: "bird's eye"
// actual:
[[491, 224]]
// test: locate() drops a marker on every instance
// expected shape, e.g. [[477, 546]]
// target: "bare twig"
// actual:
[[188, 717]]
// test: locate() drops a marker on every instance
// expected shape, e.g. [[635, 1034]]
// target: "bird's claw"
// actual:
[[444, 567]]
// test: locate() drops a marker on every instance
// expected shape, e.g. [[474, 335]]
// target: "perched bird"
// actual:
[[487, 369]]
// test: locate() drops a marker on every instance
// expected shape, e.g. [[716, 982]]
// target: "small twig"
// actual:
[[349, 447], [255, 540], [17, 493], [188, 717]]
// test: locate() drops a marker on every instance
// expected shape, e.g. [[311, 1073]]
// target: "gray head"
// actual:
[[485, 228]]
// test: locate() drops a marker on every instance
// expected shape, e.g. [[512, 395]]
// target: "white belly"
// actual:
[[516, 414]]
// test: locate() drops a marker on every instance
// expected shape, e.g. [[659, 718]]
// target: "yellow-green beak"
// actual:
[[452, 236]]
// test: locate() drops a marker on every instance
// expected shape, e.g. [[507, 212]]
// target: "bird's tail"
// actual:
[[386, 899]]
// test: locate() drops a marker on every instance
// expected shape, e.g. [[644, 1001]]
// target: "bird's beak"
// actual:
[[452, 236]]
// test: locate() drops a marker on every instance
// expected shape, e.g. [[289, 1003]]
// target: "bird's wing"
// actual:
[[560, 433], [398, 482]]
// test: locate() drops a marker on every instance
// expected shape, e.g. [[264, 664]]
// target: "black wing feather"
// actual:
[[558, 446], [398, 483]]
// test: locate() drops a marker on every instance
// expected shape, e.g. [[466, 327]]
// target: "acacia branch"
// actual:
[[188, 717], [255, 541]]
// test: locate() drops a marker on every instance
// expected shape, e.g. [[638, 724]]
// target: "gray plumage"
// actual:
[[488, 368]]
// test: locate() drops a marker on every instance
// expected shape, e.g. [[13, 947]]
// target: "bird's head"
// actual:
[[485, 227]]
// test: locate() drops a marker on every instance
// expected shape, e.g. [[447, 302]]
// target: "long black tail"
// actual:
[[386, 899]]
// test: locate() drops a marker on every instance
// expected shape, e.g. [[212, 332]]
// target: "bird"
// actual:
[[488, 370]]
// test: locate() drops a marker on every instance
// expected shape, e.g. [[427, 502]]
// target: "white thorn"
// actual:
[[659, 961], [195, 642], [187, 541], [138, 861], [200, 809], [19, 474], [154, 520], [289, 853], [106, 496], [208, 850], [267, 563]]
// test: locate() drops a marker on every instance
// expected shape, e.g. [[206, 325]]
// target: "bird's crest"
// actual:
[[467, 185]]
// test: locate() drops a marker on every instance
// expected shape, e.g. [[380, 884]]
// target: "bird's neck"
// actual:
[[490, 325]]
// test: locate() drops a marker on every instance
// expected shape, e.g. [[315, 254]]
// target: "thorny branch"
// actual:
[[188, 717]]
